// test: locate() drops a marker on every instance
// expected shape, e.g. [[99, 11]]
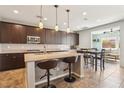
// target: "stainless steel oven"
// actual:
[[33, 39]]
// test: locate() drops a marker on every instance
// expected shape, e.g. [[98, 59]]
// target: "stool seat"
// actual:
[[69, 60], [47, 64]]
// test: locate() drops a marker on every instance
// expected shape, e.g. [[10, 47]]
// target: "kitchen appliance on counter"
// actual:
[[33, 39]]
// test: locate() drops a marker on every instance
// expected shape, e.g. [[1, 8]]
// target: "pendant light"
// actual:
[[41, 23], [68, 28], [56, 26]]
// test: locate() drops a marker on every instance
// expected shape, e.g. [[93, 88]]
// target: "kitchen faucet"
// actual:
[[44, 49]]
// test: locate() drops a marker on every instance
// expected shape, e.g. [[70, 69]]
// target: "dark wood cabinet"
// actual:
[[42, 36], [17, 33], [35, 31], [53, 37], [5, 36], [12, 33], [68, 38], [58, 37], [63, 37], [50, 36], [72, 39], [76, 40], [11, 61], [32, 31]]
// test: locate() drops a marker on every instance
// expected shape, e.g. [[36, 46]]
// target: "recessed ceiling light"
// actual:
[[84, 13], [65, 23], [16, 11], [45, 19]]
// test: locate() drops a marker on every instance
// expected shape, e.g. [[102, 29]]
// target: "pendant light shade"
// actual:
[[40, 23], [68, 28], [56, 26]]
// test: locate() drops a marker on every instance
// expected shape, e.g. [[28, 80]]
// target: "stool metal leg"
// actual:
[[48, 78], [48, 81], [69, 78]]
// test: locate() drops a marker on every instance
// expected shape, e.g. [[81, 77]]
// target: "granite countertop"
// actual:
[[46, 56], [28, 51], [12, 51]]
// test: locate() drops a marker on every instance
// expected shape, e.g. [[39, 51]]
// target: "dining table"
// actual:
[[95, 53]]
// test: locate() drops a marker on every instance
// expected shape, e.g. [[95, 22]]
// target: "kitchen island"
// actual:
[[32, 58]]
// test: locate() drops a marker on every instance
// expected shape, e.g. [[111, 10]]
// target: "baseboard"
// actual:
[[43, 81], [77, 75]]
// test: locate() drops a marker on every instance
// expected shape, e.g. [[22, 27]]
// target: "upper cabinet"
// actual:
[[50, 36], [12, 33], [16, 33], [42, 35], [72, 39], [5, 30], [32, 31], [63, 37]]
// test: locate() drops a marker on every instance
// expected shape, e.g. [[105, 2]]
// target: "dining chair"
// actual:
[[101, 58], [88, 58]]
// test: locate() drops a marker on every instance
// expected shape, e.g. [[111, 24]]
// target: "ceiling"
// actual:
[[96, 15]]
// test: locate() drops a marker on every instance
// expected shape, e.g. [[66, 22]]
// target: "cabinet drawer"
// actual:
[[11, 61]]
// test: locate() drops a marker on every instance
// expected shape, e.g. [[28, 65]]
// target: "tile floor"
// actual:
[[111, 77], [12, 79]]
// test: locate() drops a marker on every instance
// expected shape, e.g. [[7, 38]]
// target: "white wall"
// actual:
[[122, 44], [85, 37]]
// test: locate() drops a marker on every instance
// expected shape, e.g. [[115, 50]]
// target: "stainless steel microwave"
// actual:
[[33, 39]]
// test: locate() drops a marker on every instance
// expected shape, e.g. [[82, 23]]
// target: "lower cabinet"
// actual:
[[11, 61]]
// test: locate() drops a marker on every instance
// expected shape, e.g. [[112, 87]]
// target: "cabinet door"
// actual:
[[18, 60], [50, 36], [12, 33], [18, 34], [64, 37], [58, 37], [11, 61], [32, 31], [69, 39], [76, 39], [72, 39], [42, 35], [6, 62], [5, 33]]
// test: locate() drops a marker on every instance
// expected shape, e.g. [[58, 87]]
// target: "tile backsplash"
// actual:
[[19, 47]]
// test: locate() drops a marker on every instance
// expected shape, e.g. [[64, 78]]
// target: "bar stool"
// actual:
[[49, 64], [70, 61]]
